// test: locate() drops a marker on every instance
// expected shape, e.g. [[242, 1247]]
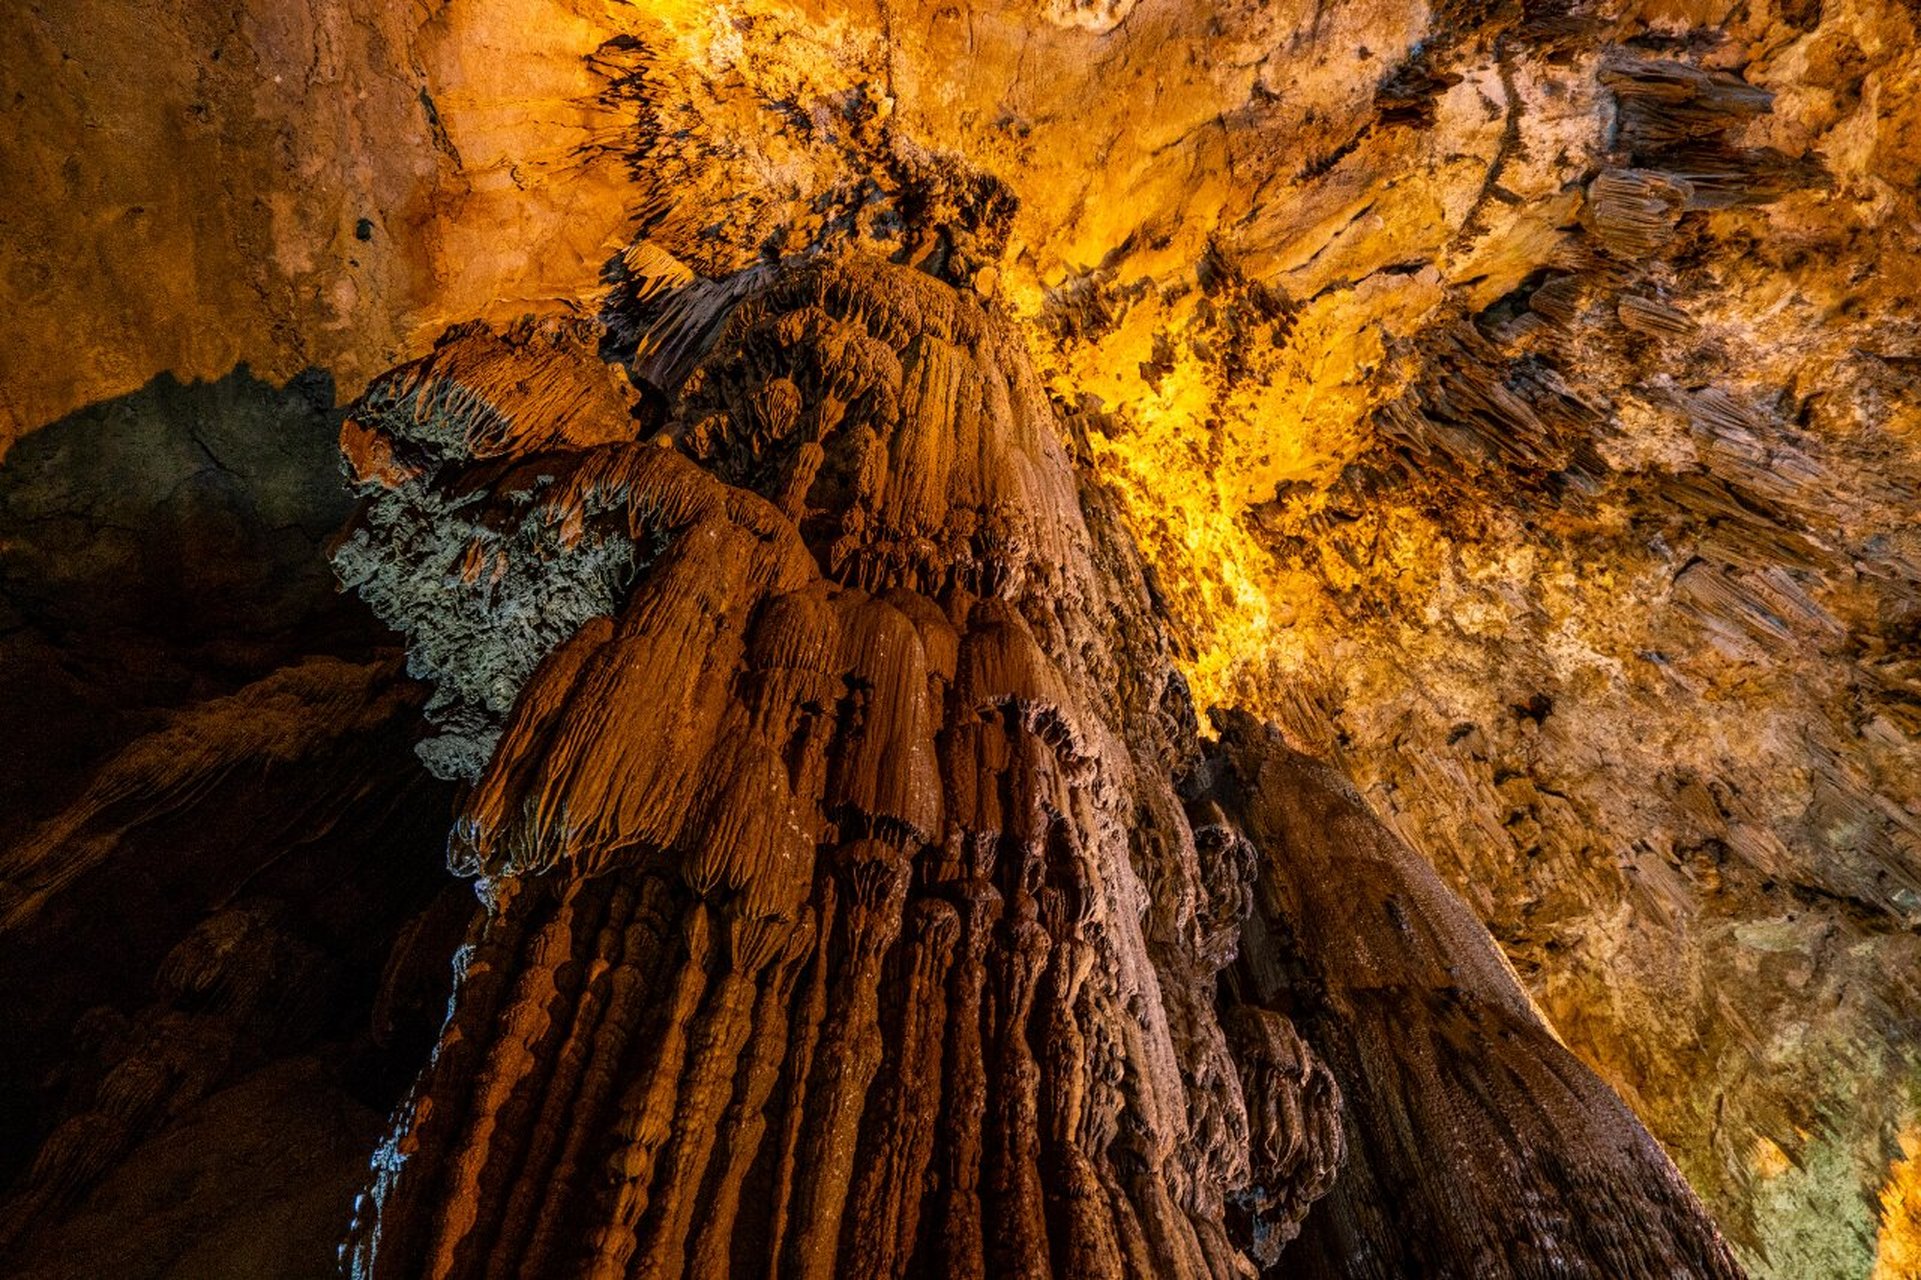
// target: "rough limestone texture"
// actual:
[[1516, 402], [224, 954], [1479, 1144], [841, 911]]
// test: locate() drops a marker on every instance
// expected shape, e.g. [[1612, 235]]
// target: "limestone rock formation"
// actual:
[[1513, 403], [867, 764], [872, 761], [1480, 1145]]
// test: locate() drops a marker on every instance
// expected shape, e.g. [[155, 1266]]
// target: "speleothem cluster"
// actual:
[[858, 897], [1515, 403]]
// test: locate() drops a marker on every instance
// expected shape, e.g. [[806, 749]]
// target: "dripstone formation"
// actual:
[[857, 895]]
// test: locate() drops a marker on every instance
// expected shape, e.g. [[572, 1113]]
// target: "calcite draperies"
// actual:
[[858, 899]]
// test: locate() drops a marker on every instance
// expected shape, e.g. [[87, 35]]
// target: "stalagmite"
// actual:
[[1477, 1145], [856, 897]]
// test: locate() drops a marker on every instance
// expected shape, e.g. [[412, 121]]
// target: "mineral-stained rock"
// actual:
[[878, 770], [841, 916]]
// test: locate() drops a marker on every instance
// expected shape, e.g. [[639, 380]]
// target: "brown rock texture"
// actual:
[[875, 765], [871, 765], [1478, 1145], [1515, 403]]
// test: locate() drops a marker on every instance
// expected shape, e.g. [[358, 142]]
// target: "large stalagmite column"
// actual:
[[841, 914], [1478, 1145]]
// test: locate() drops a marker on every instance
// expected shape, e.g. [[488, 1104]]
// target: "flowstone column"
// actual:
[[841, 915], [842, 912], [1477, 1145]]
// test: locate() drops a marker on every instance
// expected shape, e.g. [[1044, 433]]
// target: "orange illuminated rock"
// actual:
[[1516, 403], [841, 914]]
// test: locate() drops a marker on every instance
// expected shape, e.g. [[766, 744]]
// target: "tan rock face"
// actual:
[[1515, 403], [194, 187]]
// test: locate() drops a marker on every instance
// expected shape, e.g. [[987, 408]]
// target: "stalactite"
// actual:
[[745, 1126], [1516, 401], [893, 1177], [643, 1114]]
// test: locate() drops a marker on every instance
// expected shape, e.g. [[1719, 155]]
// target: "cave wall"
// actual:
[[839, 915], [1514, 402], [224, 930]]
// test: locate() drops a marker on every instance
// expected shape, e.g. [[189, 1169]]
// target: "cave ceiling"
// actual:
[[1516, 404]]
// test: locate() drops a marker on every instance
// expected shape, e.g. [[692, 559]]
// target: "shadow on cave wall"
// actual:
[[155, 549], [257, 938]]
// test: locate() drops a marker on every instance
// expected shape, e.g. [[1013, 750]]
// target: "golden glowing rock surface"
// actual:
[[1517, 403], [1899, 1253]]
